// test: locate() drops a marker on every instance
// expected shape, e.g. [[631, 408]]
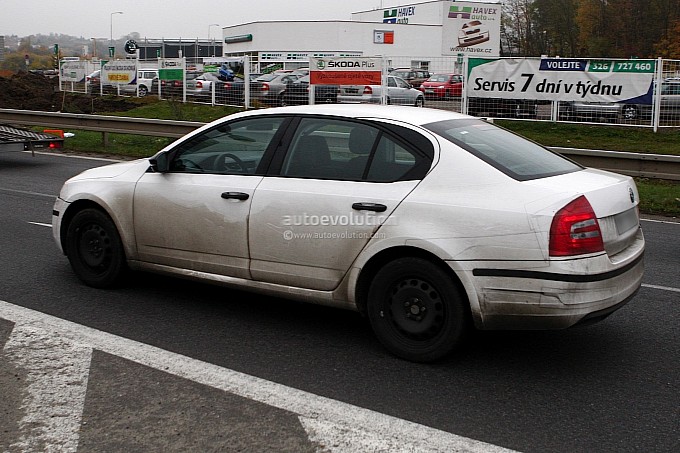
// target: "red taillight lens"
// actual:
[[227, 86], [55, 145], [368, 90], [199, 84], [265, 87], [575, 230]]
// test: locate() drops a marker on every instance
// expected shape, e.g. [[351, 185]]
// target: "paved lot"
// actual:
[[163, 364]]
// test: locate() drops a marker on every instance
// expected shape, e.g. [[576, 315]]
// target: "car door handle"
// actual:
[[235, 196], [376, 207]]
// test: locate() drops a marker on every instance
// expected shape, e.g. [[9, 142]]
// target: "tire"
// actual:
[[416, 310], [143, 91], [629, 112], [94, 249], [420, 102]]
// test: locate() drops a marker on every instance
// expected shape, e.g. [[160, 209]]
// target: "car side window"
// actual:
[[351, 151], [233, 148]]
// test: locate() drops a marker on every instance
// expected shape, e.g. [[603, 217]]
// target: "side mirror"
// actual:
[[160, 163]]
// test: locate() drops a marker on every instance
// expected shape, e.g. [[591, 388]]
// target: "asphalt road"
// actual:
[[165, 364]]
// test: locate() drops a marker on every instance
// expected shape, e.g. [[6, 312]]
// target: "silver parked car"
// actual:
[[399, 92]]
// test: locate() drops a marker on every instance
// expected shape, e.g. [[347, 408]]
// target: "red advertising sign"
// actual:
[[345, 71]]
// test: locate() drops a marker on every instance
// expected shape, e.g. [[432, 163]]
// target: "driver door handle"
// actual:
[[376, 207], [235, 196]]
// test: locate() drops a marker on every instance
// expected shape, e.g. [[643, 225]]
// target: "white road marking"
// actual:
[[341, 427], [25, 192], [48, 225], [57, 372], [663, 288], [667, 222]]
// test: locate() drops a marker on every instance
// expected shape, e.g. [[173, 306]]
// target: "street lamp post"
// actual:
[[111, 23], [213, 47]]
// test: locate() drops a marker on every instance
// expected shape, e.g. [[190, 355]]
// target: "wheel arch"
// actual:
[[371, 267], [79, 205]]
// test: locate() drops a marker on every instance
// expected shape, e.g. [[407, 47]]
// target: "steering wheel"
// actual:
[[221, 165]]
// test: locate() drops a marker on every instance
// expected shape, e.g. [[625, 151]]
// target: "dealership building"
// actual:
[[432, 35]]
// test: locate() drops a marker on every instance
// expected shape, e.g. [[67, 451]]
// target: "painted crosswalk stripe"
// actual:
[[339, 426]]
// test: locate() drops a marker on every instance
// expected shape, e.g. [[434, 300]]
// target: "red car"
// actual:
[[442, 86]]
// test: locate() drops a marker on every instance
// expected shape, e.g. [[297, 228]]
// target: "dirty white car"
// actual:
[[427, 221]]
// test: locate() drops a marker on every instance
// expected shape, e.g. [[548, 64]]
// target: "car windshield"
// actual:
[[515, 156], [439, 78]]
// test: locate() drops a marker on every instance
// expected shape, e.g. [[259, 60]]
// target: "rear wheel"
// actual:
[[415, 310], [143, 91], [420, 102], [629, 112], [94, 249]]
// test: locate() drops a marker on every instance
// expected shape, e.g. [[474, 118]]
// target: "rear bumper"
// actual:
[[527, 299]]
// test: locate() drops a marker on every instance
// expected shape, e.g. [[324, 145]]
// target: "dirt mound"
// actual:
[[28, 91]]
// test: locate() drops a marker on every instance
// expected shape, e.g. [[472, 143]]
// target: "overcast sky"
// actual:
[[167, 18]]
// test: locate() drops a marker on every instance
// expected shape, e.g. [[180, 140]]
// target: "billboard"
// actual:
[[562, 79], [471, 29], [346, 71]]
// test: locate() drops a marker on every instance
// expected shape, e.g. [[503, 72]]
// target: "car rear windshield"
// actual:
[[517, 157]]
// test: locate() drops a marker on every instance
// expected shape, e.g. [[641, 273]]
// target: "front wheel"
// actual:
[[94, 249], [416, 310]]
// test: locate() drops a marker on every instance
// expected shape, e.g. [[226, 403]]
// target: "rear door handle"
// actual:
[[376, 207], [235, 196]]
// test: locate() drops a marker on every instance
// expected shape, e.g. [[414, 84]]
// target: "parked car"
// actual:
[[201, 86], [443, 86], [513, 108], [428, 222], [398, 92], [142, 85], [669, 106], [413, 76], [297, 93], [270, 87]]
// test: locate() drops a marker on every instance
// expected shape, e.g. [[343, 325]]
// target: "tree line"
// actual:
[[591, 28]]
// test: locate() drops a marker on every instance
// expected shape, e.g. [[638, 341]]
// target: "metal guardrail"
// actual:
[[656, 166]]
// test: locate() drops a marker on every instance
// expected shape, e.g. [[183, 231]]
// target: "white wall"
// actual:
[[344, 36]]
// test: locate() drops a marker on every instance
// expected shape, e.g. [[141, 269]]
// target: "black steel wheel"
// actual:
[[416, 310], [629, 112], [94, 249]]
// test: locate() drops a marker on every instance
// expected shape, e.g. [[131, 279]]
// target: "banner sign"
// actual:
[[345, 71], [119, 72], [171, 68], [562, 79], [73, 71], [471, 28]]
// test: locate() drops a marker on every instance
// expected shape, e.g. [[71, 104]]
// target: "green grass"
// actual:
[[613, 138], [656, 197], [659, 197]]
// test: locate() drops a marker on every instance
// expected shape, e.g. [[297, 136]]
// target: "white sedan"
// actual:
[[428, 222]]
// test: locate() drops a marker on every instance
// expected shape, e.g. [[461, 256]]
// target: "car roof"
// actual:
[[406, 114]]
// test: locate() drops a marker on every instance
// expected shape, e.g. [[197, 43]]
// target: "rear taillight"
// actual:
[[55, 145], [199, 84], [265, 87], [227, 86], [575, 230], [368, 90]]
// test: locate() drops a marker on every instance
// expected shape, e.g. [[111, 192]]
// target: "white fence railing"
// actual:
[[649, 107]]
